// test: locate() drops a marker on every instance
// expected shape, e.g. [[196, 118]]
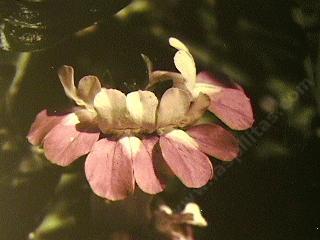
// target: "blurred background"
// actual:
[[271, 48]]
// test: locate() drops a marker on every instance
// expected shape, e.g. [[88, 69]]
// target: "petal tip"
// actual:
[[177, 44]]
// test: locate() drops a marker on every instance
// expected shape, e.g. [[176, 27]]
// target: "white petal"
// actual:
[[88, 87], [198, 107], [185, 64], [205, 88], [142, 106], [66, 76], [166, 209], [176, 43], [112, 110], [131, 145], [198, 219], [173, 107]]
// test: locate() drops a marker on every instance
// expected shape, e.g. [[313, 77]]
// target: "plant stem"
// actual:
[[15, 86]]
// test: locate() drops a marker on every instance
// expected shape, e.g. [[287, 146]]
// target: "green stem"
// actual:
[[15, 86]]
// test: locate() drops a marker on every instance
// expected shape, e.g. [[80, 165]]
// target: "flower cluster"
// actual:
[[127, 137]]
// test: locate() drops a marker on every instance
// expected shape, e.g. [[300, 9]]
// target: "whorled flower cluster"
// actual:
[[129, 136]]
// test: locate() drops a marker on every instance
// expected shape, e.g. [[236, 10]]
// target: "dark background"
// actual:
[[270, 47]]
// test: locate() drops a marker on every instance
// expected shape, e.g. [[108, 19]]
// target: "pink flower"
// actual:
[[122, 132]]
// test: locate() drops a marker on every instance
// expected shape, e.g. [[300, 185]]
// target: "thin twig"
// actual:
[[15, 86]]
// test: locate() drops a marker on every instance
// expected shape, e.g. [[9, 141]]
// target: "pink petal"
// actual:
[[228, 100], [183, 156], [109, 170], [162, 170], [215, 141], [233, 107], [42, 125], [65, 143], [144, 166]]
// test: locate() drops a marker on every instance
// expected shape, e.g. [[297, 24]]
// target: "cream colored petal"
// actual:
[[142, 107], [161, 76], [71, 119], [135, 107], [88, 87], [66, 76], [198, 219], [86, 116], [176, 43], [173, 107], [131, 146], [185, 64], [205, 88], [112, 110], [197, 109], [166, 209]]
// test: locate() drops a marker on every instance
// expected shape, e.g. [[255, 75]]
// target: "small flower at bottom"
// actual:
[[128, 136], [178, 226]]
